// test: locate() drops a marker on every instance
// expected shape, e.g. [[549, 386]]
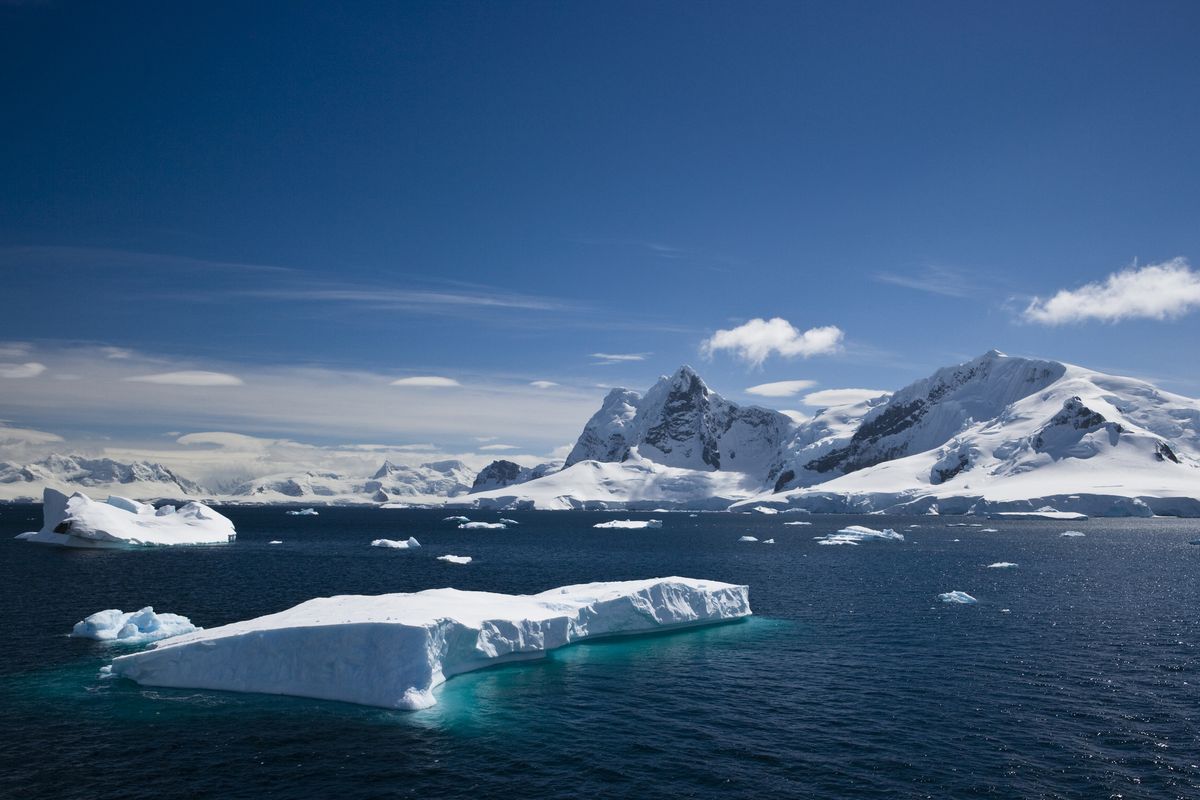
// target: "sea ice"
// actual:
[[304, 512], [455, 559], [472, 526], [1001, 565], [798, 522], [392, 650], [630, 523], [132, 627], [455, 519], [275, 541], [856, 534], [509, 521], [748, 539], [957, 597], [396, 544], [1072, 533], [79, 521]]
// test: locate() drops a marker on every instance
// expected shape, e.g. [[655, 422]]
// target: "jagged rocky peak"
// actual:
[[502, 473], [680, 422]]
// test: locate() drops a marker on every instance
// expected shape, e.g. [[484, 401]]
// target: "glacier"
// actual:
[[132, 627], [393, 650], [79, 521]]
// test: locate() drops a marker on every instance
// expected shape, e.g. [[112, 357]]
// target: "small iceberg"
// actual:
[[275, 541], [397, 544], [765, 510], [1073, 533], [630, 523], [455, 519], [1044, 512], [132, 627], [798, 522], [304, 512], [957, 597], [857, 534], [455, 559], [392, 650], [80, 521], [485, 526], [768, 541], [1001, 565], [509, 521], [988, 530], [748, 539]]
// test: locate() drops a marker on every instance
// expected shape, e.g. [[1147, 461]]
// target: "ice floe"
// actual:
[[857, 534], [957, 597], [304, 512], [79, 521], [798, 522], [132, 627], [455, 559], [456, 519], [1001, 565], [509, 521], [397, 544], [1073, 533], [768, 541], [748, 539], [486, 526], [630, 523], [392, 650]]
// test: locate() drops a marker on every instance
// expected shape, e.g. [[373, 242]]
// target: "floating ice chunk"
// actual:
[[455, 519], [392, 650], [472, 526], [1041, 513], [957, 597], [509, 521], [768, 541], [275, 541], [132, 627], [630, 523], [1072, 533], [1001, 565], [765, 510], [798, 522], [455, 559], [79, 521], [304, 512], [748, 539], [856, 534], [988, 530], [397, 544]]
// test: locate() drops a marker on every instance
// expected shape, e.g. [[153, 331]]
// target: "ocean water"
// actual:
[[1075, 675]]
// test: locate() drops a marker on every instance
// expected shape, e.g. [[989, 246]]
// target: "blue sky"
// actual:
[[491, 193]]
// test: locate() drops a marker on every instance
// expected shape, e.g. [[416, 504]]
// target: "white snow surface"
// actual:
[[957, 597], [132, 627], [392, 650], [397, 544], [630, 524], [79, 521]]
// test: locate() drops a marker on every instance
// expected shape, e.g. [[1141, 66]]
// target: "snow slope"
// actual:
[[392, 650], [79, 521], [67, 473]]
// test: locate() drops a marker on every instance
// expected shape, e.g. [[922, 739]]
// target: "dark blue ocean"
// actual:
[[1075, 676]]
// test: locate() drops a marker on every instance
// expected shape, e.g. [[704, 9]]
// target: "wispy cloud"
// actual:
[[29, 369], [757, 339], [404, 299], [60, 257], [604, 359], [780, 388], [543, 384], [939, 280], [497, 447], [841, 397], [1156, 291], [427, 381], [189, 377]]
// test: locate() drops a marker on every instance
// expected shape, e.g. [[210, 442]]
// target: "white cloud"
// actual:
[[798, 417], [189, 377], [543, 384], [23, 436], [426, 381], [759, 338], [15, 349], [491, 447], [944, 281], [1156, 291], [603, 359], [780, 388], [30, 369], [840, 397]]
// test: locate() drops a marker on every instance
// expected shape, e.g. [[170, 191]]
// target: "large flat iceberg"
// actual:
[[79, 521], [630, 524], [391, 650]]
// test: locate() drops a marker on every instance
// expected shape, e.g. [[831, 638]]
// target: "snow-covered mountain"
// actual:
[[994, 433], [425, 483], [69, 472], [502, 473]]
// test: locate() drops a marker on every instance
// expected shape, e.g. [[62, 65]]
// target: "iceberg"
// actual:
[[857, 534], [1001, 565], [630, 523], [275, 541], [798, 522], [79, 521], [957, 597], [304, 512], [748, 539], [455, 559], [455, 519], [1072, 533], [132, 627], [509, 521], [765, 510], [470, 526], [768, 541], [392, 650], [401, 544], [1041, 513]]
